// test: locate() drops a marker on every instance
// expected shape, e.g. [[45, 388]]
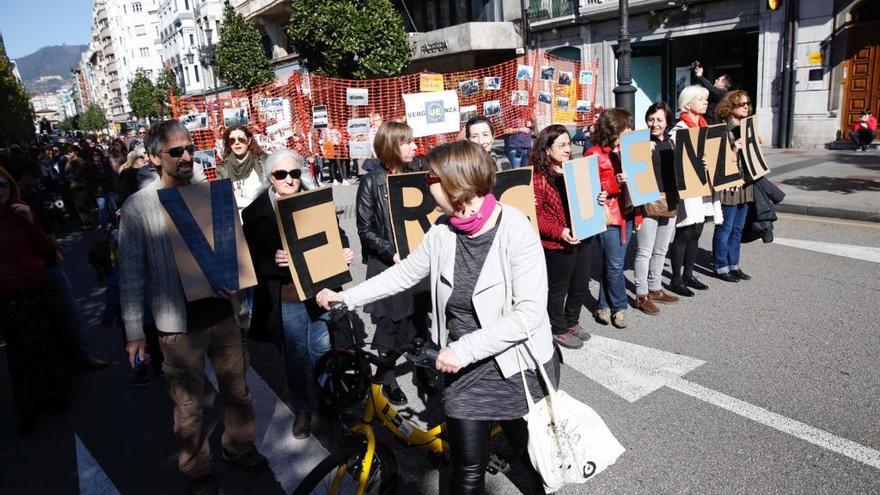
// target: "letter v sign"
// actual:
[[220, 264]]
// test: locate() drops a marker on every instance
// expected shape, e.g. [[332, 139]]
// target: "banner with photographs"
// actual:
[[429, 114]]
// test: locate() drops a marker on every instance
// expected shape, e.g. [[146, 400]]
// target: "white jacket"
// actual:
[[692, 211]]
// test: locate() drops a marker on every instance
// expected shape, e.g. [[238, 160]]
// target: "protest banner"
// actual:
[[637, 163], [723, 171], [357, 97], [582, 189], [412, 208], [312, 240], [429, 83], [691, 178], [209, 246], [429, 114], [319, 117], [514, 188], [754, 166]]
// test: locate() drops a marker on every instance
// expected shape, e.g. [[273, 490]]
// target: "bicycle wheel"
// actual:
[[349, 457]]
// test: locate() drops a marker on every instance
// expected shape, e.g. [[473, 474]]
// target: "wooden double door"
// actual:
[[862, 88]]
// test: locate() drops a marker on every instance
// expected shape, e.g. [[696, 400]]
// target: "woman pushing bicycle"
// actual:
[[489, 299]]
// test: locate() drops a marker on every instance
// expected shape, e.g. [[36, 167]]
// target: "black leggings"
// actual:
[[469, 445], [683, 252]]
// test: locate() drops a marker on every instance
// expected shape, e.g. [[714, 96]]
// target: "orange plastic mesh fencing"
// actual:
[[314, 114]]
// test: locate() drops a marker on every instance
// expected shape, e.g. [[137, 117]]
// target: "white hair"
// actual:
[[688, 94], [278, 156]]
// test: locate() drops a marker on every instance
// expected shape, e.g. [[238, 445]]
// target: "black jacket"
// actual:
[[263, 238], [715, 96], [759, 221], [374, 218]]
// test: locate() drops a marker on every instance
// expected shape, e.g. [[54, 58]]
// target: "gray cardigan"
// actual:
[[147, 269], [510, 296]]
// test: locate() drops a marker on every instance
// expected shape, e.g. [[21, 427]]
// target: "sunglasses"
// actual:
[[431, 178], [743, 104], [282, 174], [177, 151], [242, 140]]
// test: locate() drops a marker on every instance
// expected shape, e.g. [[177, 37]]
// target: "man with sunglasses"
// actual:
[[188, 331]]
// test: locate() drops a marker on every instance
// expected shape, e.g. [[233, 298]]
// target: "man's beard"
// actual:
[[186, 174]]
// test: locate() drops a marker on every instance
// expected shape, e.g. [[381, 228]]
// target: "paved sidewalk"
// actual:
[[826, 183]]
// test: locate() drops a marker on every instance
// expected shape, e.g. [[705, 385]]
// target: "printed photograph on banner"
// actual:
[[492, 83], [235, 116], [219, 147], [586, 77], [562, 103], [519, 98], [682, 78], [274, 110], [430, 82], [320, 119], [358, 127], [357, 97], [545, 97], [467, 112], [359, 149], [565, 78], [469, 87], [279, 133], [547, 73], [583, 106], [429, 114], [491, 108], [266, 144], [524, 72], [195, 121], [204, 159]]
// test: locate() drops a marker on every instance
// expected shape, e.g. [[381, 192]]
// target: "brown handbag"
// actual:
[[660, 208]]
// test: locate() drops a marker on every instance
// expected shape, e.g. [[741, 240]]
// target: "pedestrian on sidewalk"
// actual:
[[864, 131], [692, 212], [735, 202], [567, 257], [658, 226], [621, 220], [518, 145], [188, 331]]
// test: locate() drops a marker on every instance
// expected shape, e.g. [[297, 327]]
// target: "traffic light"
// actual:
[[774, 4]]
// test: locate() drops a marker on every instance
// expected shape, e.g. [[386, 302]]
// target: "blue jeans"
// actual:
[[728, 236], [305, 341], [106, 208], [519, 157], [612, 286]]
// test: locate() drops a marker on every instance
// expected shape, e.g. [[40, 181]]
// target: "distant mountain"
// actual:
[[46, 63]]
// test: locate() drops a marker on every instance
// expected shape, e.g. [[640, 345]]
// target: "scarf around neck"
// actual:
[[472, 224], [688, 119], [240, 170]]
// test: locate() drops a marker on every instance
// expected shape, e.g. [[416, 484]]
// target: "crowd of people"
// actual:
[[495, 313]]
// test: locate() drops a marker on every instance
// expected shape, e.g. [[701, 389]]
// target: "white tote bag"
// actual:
[[568, 441]]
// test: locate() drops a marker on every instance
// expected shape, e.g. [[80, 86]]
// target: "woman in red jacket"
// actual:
[[568, 258], [35, 337], [620, 218]]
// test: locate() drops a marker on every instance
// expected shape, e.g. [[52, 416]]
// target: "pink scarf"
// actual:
[[477, 221]]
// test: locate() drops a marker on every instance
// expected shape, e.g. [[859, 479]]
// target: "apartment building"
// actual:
[[188, 29]]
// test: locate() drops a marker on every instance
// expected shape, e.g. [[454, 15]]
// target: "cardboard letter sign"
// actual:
[[637, 163], [690, 174], [582, 188], [754, 166], [311, 237], [723, 172], [209, 246], [413, 210], [514, 188]]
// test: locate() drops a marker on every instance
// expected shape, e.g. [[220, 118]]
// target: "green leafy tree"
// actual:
[[241, 61], [166, 85], [69, 123], [350, 38], [143, 96], [93, 119], [16, 113]]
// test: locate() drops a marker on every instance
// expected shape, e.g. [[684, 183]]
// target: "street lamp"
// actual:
[[208, 58], [624, 93]]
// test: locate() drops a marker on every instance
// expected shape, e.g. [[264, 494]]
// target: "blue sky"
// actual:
[[28, 25]]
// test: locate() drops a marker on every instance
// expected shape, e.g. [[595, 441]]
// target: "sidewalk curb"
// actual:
[[825, 211]]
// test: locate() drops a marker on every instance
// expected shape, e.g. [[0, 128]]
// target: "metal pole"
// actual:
[[525, 28], [624, 93]]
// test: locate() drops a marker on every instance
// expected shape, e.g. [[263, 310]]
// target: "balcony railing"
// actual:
[[542, 10]]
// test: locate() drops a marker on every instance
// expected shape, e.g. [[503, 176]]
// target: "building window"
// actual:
[[192, 40], [145, 52], [140, 30], [136, 7], [196, 72], [185, 4]]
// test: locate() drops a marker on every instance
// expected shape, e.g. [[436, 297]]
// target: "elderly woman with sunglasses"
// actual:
[[243, 164], [489, 298], [299, 329]]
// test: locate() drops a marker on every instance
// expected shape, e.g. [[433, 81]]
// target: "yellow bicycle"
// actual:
[[363, 465]]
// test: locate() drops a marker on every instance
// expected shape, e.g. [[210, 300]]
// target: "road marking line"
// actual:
[[808, 218], [862, 253], [815, 436], [92, 479]]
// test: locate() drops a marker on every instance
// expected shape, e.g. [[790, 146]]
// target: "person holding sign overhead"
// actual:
[[692, 212], [658, 226], [299, 329], [620, 218], [393, 316], [567, 257], [727, 237], [488, 296]]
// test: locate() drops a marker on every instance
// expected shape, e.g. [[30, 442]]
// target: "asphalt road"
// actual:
[[766, 386]]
